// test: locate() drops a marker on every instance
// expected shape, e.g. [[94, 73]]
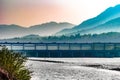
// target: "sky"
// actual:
[[32, 12]]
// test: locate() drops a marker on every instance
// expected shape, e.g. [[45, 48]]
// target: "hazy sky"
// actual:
[[32, 12]]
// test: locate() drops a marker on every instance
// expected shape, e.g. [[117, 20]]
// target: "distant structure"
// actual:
[[59, 50]]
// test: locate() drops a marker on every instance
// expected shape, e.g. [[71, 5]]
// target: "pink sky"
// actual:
[[33, 12]]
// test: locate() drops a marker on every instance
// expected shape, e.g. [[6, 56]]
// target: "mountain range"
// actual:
[[107, 21], [106, 27], [46, 29]]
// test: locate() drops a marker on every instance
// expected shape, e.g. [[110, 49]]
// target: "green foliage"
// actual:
[[13, 63]]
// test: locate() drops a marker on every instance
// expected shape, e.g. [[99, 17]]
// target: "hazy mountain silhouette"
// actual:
[[11, 31], [49, 28], [103, 19]]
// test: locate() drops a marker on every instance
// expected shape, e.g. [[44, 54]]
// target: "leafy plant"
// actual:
[[12, 64]]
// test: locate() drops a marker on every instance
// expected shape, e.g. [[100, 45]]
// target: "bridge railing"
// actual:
[[62, 46]]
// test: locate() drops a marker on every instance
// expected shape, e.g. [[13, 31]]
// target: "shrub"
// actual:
[[12, 65]]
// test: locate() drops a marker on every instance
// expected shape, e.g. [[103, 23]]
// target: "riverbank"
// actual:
[[74, 68]]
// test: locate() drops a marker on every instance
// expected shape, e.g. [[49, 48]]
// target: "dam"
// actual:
[[62, 50]]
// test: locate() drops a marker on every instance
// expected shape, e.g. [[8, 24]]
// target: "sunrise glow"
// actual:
[[29, 12]]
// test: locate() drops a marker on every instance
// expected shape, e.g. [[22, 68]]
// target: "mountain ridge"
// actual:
[[13, 30], [107, 15]]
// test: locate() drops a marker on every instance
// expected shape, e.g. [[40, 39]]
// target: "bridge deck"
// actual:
[[65, 49]]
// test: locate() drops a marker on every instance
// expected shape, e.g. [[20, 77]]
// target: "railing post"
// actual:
[[104, 46], [93, 46], [48, 54], [58, 46], [69, 46], [90, 45], [23, 46], [35, 46], [46, 46], [80, 46], [115, 46], [11, 46]]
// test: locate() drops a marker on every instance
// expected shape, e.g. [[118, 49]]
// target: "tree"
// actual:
[[12, 65]]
